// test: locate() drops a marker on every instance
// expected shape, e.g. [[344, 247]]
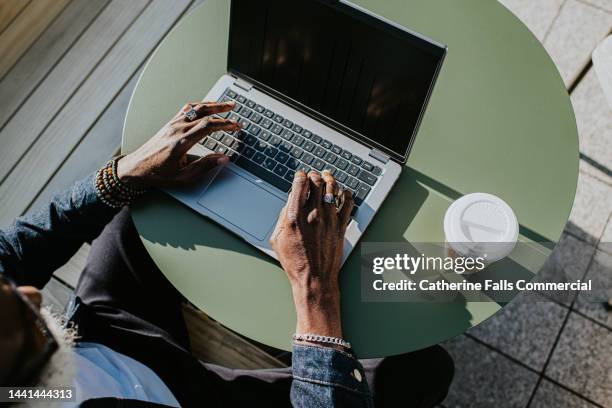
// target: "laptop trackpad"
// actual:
[[242, 203]]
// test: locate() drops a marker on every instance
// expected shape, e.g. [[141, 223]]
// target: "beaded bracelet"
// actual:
[[110, 189], [317, 338]]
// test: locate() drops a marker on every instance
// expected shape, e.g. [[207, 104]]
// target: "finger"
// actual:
[[298, 195], [331, 187], [315, 187], [198, 167], [211, 108], [207, 126], [346, 198]]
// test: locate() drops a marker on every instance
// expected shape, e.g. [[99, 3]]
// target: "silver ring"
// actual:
[[329, 198], [191, 114]]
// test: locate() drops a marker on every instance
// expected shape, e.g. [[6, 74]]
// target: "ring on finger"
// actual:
[[329, 198], [191, 113]]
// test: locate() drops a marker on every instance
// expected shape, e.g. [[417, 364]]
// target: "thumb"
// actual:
[[200, 166]]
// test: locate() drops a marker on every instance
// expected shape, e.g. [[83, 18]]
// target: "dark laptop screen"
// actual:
[[364, 75]]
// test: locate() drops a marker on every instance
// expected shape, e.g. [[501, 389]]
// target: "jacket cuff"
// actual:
[[328, 366]]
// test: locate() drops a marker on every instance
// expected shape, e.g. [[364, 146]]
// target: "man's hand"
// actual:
[[308, 240], [163, 159]]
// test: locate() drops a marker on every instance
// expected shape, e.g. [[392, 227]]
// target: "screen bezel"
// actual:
[[383, 24]]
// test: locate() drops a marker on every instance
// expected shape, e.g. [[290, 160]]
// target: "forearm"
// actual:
[[324, 375], [40, 242]]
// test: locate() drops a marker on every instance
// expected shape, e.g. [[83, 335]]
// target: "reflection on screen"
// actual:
[[369, 80]]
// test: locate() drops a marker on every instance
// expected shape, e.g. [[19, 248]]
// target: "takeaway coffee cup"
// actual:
[[480, 225]]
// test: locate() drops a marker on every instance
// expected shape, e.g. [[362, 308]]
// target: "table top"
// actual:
[[499, 121]]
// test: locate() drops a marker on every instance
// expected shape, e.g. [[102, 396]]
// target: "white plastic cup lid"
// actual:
[[481, 224]]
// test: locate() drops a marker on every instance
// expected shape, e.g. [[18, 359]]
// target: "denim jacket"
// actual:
[[39, 243]]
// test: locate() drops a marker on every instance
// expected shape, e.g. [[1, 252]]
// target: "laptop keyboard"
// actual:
[[274, 148]]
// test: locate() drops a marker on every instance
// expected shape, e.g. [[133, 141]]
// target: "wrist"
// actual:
[[126, 172], [318, 309]]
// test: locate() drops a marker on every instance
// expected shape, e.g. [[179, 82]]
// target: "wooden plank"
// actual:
[[74, 68], [72, 122], [101, 143], [45, 53], [25, 29], [213, 343], [9, 9], [70, 272]]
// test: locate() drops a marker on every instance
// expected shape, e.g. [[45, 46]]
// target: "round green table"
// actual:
[[499, 121]]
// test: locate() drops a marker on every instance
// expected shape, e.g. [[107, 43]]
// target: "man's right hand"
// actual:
[[309, 240]]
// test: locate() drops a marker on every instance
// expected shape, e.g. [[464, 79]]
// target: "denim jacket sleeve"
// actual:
[[325, 377], [42, 241]]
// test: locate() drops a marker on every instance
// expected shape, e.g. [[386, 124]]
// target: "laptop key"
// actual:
[[260, 109], [250, 103], [245, 112], [221, 149], [240, 135], [356, 160], [367, 165], [263, 174], [231, 94], [248, 152], [289, 176], [318, 164], [296, 152], [306, 169], [341, 163], [297, 128], [292, 163], [234, 117], [377, 171], [352, 183], [278, 129], [259, 158], [256, 118], [346, 155], [250, 139], [254, 129], [361, 193], [352, 170], [281, 157], [210, 144], [265, 135], [326, 144], [307, 158], [317, 139], [278, 118], [287, 134], [341, 176], [335, 148], [267, 123], [238, 146], [217, 135], [227, 140], [241, 98], [260, 145], [330, 157], [288, 123], [269, 163], [268, 113], [233, 156], [270, 151], [244, 123], [275, 141], [308, 146], [286, 147], [319, 151], [280, 170], [297, 140], [367, 177], [307, 134]]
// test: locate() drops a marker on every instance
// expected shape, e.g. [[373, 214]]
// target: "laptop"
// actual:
[[318, 85]]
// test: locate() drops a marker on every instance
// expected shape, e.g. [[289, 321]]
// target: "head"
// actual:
[[31, 339]]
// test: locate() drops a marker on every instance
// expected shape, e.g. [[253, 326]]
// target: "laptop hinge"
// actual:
[[380, 156], [242, 84]]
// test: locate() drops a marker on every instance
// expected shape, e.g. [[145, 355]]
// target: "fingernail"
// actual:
[[222, 161]]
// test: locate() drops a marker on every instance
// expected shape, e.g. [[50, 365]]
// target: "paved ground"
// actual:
[[538, 352]]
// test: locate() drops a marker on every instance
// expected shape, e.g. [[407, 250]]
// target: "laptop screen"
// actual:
[[364, 77]]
